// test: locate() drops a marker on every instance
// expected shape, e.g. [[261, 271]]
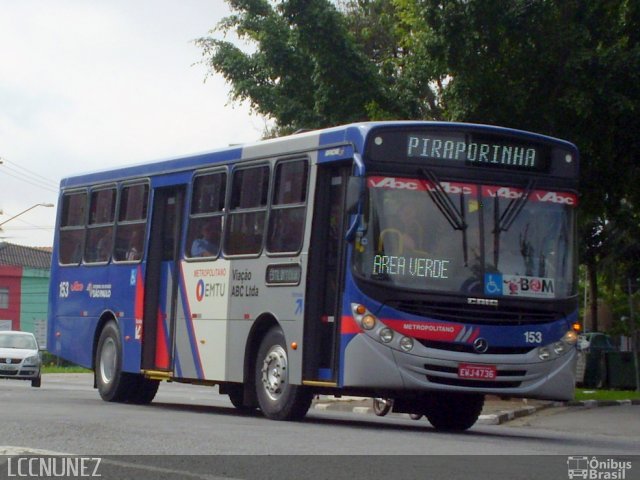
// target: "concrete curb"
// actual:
[[507, 415], [496, 418], [601, 403]]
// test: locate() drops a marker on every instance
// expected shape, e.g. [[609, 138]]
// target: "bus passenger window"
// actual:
[[286, 229], [132, 222], [72, 227], [99, 243], [286, 222], [71, 246], [102, 210], [205, 219], [248, 209], [129, 243], [204, 237]]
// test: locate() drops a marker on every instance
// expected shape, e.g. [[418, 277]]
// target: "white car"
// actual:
[[20, 357]]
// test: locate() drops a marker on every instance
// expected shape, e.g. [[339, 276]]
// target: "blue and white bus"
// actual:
[[430, 263]]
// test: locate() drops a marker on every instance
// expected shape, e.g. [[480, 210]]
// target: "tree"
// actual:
[[306, 70], [566, 68]]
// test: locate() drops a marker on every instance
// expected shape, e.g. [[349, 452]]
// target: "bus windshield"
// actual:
[[476, 239]]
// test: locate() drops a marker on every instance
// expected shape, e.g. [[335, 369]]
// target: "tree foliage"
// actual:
[[565, 68], [306, 70]]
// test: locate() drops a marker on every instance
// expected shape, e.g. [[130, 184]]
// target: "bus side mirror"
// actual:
[[355, 189]]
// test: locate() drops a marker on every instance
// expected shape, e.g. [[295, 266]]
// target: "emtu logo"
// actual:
[[200, 290]]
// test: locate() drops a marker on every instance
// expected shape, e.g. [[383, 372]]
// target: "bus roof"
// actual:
[[352, 134]]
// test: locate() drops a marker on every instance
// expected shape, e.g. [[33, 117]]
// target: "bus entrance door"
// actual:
[[322, 316], [161, 279]]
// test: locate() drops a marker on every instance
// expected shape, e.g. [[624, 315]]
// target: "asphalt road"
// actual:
[[67, 416]]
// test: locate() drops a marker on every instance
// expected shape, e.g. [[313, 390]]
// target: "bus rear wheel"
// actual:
[[112, 384], [277, 398], [453, 412], [143, 390]]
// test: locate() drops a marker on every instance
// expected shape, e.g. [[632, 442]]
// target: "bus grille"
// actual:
[[472, 313], [468, 348]]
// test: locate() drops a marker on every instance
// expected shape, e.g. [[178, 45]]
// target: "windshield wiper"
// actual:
[[502, 223], [446, 206], [455, 217], [514, 208]]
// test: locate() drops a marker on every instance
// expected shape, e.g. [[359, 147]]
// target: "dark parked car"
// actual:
[[596, 341], [20, 356], [596, 347]]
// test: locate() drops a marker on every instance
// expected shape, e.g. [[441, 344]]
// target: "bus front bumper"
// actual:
[[370, 364]]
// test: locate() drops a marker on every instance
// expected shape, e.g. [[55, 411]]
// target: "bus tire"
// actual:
[[236, 396], [143, 390], [113, 385], [277, 398], [382, 406], [453, 412]]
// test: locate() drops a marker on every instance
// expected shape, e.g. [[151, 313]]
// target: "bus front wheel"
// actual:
[[453, 412], [277, 398]]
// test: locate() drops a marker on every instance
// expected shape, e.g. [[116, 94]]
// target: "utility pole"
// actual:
[[634, 338]]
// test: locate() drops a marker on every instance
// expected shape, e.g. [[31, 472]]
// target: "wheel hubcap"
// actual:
[[274, 372], [108, 360]]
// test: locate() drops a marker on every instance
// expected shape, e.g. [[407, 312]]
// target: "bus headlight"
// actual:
[[386, 335], [368, 322], [559, 347], [406, 344], [543, 353], [363, 317], [571, 337]]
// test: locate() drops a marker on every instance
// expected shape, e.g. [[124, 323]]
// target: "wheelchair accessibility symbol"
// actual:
[[493, 284]]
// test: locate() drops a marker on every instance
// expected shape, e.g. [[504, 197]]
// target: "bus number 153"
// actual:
[[533, 337]]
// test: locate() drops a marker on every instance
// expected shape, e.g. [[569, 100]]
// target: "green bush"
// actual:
[[51, 360]]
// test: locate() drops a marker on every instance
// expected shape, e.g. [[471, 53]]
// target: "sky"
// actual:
[[89, 85]]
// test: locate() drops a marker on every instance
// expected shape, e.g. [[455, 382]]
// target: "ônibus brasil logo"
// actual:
[[597, 469]]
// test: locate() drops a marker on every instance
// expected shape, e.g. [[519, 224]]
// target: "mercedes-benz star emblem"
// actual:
[[480, 345]]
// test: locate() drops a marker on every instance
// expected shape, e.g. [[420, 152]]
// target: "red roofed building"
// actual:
[[24, 288]]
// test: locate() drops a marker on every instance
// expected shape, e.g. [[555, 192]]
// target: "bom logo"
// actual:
[[534, 285]]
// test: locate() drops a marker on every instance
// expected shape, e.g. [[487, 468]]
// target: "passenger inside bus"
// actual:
[[205, 245], [134, 252]]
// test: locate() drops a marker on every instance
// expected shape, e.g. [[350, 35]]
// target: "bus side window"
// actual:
[[72, 227], [132, 221], [99, 242], [205, 217], [286, 221], [248, 209]]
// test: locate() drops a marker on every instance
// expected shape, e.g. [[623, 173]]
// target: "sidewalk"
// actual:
[[495, 411]]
